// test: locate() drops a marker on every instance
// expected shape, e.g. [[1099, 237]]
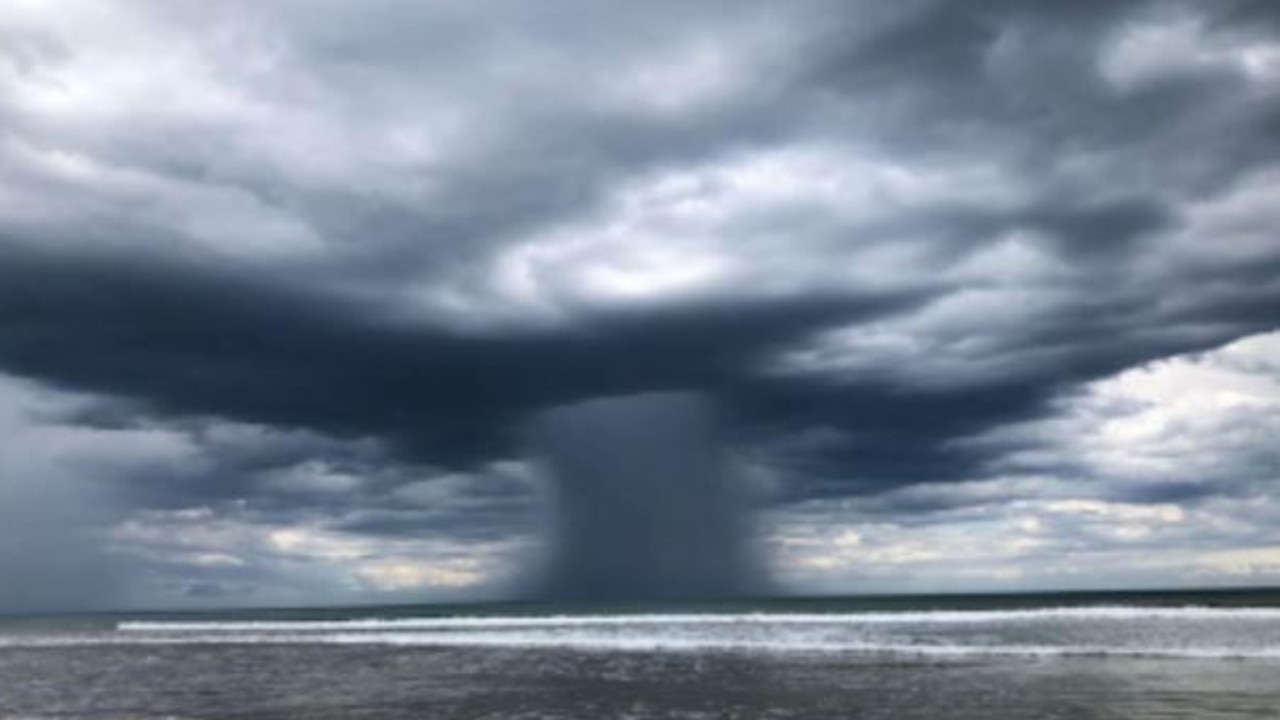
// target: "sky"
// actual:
[[985, 295]]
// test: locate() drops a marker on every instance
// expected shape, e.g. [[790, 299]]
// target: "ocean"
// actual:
[[1201, 655]]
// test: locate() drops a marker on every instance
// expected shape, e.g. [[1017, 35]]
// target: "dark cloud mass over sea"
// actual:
[[981, 295]]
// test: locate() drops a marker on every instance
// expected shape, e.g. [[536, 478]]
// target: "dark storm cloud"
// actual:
[[388, 238], [190, 343], [242, 347]]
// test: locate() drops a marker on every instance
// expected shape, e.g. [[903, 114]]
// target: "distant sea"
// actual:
[[1205, 655]]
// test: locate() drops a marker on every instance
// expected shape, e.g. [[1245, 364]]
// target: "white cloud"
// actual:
[[261, 559], [411, 574], [1191, 419], [780, 221], [1206, 420], [1170, 44]]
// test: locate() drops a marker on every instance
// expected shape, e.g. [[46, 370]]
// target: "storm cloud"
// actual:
[[319, 268]]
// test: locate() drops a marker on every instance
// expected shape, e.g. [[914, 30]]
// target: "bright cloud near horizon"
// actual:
[[987, 293]]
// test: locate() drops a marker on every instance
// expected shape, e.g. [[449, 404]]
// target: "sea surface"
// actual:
[[1201, 655]]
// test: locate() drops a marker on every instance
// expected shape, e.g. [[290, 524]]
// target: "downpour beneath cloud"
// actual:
[[646, 504], [311, 302]]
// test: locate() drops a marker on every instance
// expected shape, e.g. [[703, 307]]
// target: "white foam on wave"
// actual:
[[690, 644], [587, 641], [1120, 631], [939, 617], [793, 645]]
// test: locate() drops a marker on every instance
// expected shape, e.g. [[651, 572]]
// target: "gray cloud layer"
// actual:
[[387, 236]]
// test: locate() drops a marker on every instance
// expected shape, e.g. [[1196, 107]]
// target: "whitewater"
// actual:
[[1168, 632]]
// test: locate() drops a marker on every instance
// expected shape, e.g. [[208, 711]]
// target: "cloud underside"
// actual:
[[294, 293]]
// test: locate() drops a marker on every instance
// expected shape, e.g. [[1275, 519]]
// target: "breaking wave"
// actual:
[[942, 617], [1167, 632]]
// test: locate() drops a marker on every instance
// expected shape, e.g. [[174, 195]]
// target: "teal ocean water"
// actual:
[[1101, 655]]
